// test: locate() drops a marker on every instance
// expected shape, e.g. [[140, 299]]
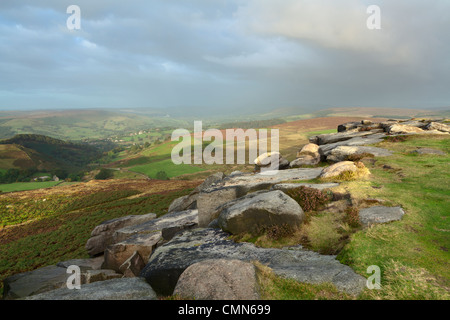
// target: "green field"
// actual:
[[172, 170], [24, 186]]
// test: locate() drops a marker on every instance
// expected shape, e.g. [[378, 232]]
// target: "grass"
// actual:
[[419, 243], [172, 170], [273, 287], [24, 186]]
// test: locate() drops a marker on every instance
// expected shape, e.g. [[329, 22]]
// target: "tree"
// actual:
[[162, 175], [104, 174]]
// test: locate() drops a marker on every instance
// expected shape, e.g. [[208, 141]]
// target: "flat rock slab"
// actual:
[[170, 260], [380, 214], [260, 209], [356, 141], [169, 220], [116, 289], [342, 152], [272, 177], [429, 151], [34, 282], [289, 186]]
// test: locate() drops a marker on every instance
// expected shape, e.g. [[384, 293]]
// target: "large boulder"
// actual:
[[219, 279], [403, 128], [309, 155], [338, 168], [144, 244], [380, 214], [290, 186], [115, 289], [170, 260], [101, 236], [210, 199], [260, 209], [438, 126], [272, 161], [355, 141], [342, 136]]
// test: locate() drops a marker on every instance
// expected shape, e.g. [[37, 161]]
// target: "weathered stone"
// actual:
[[348, 126], [83, 264], [186, 202], [380, 214], [261, 209], [343, 136], [310, 149], [401, 129], [305, 160], [101, 236], [429, 151], [115, 289], [169, 232], [219, 279], [133, 266], [33, 282], [289, 186], [271, 160], [210, 181], [438, 126], [338, 168], [356, 141], [116, 254], [170, 260], [261, 181], [342, 153], [210, 199], [91, 276], [157, 225]]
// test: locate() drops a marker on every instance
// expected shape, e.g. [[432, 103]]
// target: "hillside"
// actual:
[[25, 151], [46, 226]]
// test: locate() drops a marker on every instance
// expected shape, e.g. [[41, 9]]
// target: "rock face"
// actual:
[[438, 126], [380, 214], [289, 186], [338, 168], [116, 289], [101, 236], [219, 279], [260, 209], [170, 260], [143, 238], [402, 128]]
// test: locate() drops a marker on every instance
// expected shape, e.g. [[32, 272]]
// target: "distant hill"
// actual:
[[78, 125], [25, 151]]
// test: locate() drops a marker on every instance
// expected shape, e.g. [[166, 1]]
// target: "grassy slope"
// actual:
[[57, 228], [24, 186], [412, 253]]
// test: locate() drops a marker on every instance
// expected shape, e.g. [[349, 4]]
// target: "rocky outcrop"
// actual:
[[258, 210], [101, 236], [219, 279], [116, 289], [380, 214], [170, 260]]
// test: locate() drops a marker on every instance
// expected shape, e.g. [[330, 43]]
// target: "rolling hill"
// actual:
[[25, 151]]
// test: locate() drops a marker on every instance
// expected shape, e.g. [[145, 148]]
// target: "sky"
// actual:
[[220, 54]]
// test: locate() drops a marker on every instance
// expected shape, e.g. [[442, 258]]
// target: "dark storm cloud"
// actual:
[[223, 53]]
